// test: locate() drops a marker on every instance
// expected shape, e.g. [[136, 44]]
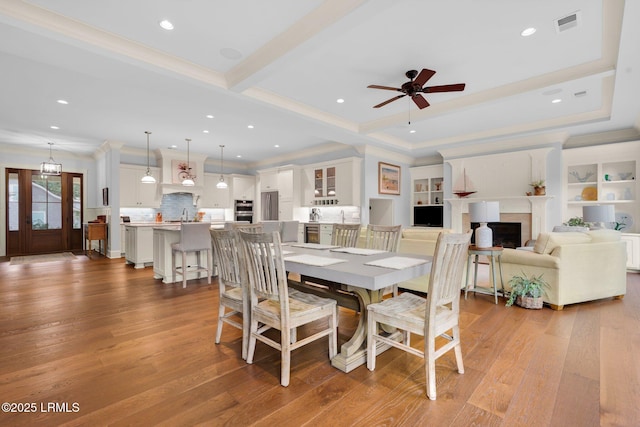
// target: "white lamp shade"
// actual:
[[484, 212], [148, 179], [188, 182], [599, 213]]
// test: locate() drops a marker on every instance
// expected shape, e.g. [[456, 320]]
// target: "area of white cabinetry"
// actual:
[[286, 181], [135, 194], [243, 187], [139, 245], [213, 197], [633, 250], [268, 180], [603, 175], [332, 183], [427, 187], [326, 232]]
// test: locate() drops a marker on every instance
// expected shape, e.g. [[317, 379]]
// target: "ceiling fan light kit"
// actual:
[[415, 87]]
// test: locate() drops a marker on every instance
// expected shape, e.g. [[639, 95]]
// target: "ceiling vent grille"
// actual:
[[567, 22]]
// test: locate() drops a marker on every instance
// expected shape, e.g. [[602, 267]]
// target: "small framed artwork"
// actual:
[[388, 178], [181, 170], [105, 196]]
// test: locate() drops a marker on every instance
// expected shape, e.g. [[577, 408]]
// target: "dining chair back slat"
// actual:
[[383, 237], [345, 235]]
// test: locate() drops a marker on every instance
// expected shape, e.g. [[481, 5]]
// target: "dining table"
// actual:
[[351, 275]]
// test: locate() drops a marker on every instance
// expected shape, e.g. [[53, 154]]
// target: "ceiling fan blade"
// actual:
[[388, 101], [444, 88], [424, 75], [385, 88], [420, 101]]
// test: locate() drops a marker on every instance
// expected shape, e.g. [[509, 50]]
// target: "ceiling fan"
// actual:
[[414, 87]]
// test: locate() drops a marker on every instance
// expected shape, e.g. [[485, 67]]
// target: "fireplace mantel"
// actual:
[[534, 205]]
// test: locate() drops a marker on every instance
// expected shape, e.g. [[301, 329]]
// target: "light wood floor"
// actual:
[[129, 350]]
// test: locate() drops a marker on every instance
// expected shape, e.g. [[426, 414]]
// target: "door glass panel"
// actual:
[[318, 183], [46, 202], [13, 206], [331, 181], [77, 188]]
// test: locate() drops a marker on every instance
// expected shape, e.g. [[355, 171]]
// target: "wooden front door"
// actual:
[[44, 213]]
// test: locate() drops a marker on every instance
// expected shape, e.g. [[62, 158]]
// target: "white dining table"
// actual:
[[355, 274]]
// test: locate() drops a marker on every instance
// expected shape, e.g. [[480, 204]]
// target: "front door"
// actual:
[[44, 213]]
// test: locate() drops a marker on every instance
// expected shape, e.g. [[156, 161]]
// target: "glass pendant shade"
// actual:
[[147, 178], [221, 184], [50, 167]]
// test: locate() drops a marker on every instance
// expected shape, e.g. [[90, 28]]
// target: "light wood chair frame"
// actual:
[[384, 238], [232, 285], [274, 305], [436, 316], [345, 235]]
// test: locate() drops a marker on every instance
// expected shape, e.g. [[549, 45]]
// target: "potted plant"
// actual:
[[526, 291], [576, 221], [538, 188]]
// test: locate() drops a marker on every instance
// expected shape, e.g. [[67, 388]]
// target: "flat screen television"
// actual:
[[428, 216]]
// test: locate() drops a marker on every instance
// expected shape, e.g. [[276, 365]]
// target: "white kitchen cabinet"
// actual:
[[268, 180], [332, 183], [633, 250], [285, 184], [213, 197], [139, 249], [243, 187], [326, 232], [135, 194]]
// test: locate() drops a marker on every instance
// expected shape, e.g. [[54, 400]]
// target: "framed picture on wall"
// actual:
[[388, 178]]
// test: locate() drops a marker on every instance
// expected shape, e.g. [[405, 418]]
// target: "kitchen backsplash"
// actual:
[[335, 214], [172, 207]]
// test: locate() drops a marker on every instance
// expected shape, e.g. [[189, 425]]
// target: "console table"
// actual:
[[493, 253], [95, 231]]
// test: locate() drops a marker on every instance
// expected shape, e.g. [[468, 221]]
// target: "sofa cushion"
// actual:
[[422, 233], [547, 242], [604, 235]]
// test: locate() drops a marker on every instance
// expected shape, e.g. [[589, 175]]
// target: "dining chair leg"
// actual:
[[371, 343], [209, 266], [198, 264], [458, 349], [252, 341], [430, 360], [333, 336], [221, 309], [285, 356], [173, 266]]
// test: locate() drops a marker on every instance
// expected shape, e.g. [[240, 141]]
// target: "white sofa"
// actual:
[[414, 240], [577, 266]]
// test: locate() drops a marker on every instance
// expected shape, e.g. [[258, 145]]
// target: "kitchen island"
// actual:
[[139, 242], [163, 238]]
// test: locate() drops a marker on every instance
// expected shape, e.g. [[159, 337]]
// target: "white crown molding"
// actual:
[[505, 145]]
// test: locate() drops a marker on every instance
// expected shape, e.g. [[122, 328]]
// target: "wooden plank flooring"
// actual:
[[129, 350]]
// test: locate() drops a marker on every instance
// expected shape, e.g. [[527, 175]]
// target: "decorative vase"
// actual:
[[539, 191], [529, 302]]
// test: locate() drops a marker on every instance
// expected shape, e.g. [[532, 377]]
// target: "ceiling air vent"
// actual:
[[567, 22]]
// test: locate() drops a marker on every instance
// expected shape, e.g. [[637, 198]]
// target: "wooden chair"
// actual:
[[433, 317], [384, 238], [234, 293], [249, 228], [281, 308], [345, 235], [194, 237]]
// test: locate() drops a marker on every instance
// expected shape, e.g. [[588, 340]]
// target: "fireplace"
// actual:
[[505, 234]]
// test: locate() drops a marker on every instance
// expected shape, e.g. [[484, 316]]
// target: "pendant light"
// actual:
[[221, 184], [188, 181], [147, 178], [50, 168]]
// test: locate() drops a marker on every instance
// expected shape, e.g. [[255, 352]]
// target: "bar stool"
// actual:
[[194, 237]]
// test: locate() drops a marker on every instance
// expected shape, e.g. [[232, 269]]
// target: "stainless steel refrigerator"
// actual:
[[269, 206]]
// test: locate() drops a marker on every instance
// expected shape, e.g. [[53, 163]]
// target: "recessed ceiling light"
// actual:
[[230, 53], [528, 32], [276, 146], [556, 101], [250, 126], [166, 25], [54, 127], [62, 101], [173, 147], [205, 131], [238, 156], [340, 100], [209, 116], [412, 131]]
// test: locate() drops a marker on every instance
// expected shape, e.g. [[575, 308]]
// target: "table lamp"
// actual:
[[484, 212], [598, 215]]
